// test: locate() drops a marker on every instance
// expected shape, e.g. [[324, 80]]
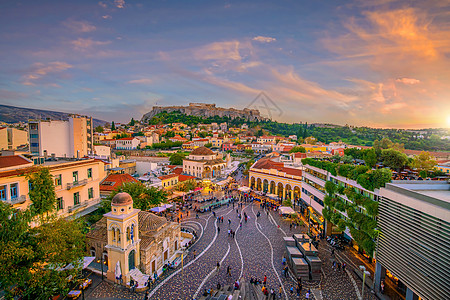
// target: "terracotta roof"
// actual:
[[149, 221], [12, 161], [185, 177], [113, 181], [267, 164], [299, 155], [202, 151], [126, 139], [167, 176], [98, 230], [177, 170]]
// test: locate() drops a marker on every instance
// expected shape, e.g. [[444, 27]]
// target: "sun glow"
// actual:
[[448, 121]]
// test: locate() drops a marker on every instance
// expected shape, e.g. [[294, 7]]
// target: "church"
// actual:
[[134, 238], [204, 163]]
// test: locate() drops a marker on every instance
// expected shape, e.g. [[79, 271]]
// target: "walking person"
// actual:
[[280, 291], [218, 267], [229, 271], [265, 280], [195, 253], [308, 294]]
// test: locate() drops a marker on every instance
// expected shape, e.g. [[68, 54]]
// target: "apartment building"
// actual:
[[12, 138], [413, 245], [76, 183], [72, 138], [130, 143], [267, 139], [313, 194]]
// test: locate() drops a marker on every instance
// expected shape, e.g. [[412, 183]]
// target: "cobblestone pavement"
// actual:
[[256, 251]]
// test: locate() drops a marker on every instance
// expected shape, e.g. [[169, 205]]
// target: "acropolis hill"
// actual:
[[207, 110]]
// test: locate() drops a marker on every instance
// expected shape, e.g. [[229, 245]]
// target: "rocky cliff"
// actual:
[[206, 110]]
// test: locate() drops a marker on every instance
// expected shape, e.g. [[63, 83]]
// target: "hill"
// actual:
[[14, 114]]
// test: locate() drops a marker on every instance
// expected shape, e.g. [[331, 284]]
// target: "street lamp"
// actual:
[[309, 215], [363, 269]]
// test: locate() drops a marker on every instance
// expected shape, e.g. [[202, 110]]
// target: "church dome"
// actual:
[[121, 199], [202, 151]]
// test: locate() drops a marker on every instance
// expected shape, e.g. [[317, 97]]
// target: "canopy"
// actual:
[[244, 189], [118, 271], [167, 205], [285, 210], [86, 262], [158, 209], [272, 196]]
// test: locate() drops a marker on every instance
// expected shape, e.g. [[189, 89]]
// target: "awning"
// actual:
[[167, 205], [272, 196], [286, 210], [244, 189], [158, 209], [86, 262]]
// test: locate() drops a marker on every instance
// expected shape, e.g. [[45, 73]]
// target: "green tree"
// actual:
[[99, 129], [113, 126], [297, 149], [424, 161], [187, 185], [144, 197], [394, 159], [132, 122], [208, 145], [259, 133], [31, 259], [42, 191], [370, 158], [176, 159]]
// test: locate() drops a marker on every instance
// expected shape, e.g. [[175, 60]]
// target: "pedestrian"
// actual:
[[146, 295], [339, 266], [229, 231], [286, 271], [343, 266], [218, 230], [292, 290], [332, 252], [283, 261], [218, 267], [307, 294], [132, 286], [240, 224], [265, 280], [195, 254], [272, 294], [298, 290], [334, 265], [229, 222], [290, 227], [280, 291], [229, 271]]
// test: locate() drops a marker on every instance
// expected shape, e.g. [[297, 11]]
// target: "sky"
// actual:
[[383, 64]]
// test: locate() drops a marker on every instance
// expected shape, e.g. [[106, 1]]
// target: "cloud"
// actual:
[[409, 81], [264, 39], [228, 50], [103, 4], [83, 44], [79, 26], [107, 17], [40, 70], [119, 3], [141, 81]]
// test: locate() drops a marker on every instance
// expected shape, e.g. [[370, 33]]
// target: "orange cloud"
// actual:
[[40, 70]]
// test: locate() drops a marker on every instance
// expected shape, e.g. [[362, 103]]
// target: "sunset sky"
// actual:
[[343, 62]]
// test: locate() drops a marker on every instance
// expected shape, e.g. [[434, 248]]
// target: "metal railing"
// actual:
[[77, 184], [16, 200]]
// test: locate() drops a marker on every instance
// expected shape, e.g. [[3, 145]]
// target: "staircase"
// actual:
[[140, 278]]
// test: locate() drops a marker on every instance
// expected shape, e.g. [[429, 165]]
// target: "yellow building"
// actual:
[[12, 138], [274, 178], [139, 242], [203, 163], [312, 148], [76, 184], [169, 181]]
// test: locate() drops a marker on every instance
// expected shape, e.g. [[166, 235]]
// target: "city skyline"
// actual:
[[382, 65]]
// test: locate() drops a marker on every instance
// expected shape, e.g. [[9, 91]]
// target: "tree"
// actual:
[[187, 185], [113, 126], [394, 159], [99, 129], [132, 122], [31, 259], [370, 158], [42, 191], [297, 149], [176, 159], [311, 140], [143, 197], [259, 133], [208, 145], [424, 161]]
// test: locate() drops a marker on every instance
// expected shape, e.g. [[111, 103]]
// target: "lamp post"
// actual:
[[363, 269], [101, 264], [309, 216]]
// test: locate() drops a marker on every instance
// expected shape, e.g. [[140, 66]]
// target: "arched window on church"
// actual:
[[128, 234], [118, 235], [114, 234]]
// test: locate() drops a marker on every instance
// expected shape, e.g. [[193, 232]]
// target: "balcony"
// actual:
[[16, 200], [83, 205], [77, 184]]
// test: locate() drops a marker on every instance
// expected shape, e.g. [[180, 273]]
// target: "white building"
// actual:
[[72, 138], [127, 143], [267, 139], [103, 152]]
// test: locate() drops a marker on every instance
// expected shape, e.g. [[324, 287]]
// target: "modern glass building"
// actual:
[[414, 240]]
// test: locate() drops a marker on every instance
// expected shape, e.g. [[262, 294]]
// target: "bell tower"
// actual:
[[123, 237]]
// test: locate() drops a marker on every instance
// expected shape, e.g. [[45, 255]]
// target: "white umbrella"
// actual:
[[118, 271], [167, 205]]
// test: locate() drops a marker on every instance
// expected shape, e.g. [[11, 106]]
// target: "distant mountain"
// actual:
[[14, 114]]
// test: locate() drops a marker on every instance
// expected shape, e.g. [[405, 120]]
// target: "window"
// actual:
[[76, 198], [13, 190], [75, 176], [89, 173], [128, 234], [34, 144], [58, 180], [91, 193], [34, 136], [2, 192], [60, 203]]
